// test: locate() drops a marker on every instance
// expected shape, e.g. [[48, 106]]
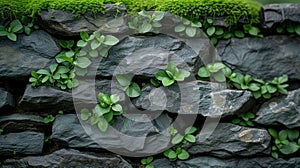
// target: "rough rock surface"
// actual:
[[229, 140], [144, 56], [46, 99], [284, 110], [6, 99], [67, 158], [264, 58], [274, 14], [67, 128], [20, 122], [196, 97], [18, 59], [25, 143], [68, 24]]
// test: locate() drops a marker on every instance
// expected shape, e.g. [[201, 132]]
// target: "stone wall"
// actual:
[[27, 141]]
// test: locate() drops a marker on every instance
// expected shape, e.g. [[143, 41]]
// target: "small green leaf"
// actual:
[[117, 107], [297, 29], [81, 43], [190, 138], [250, 123], [275, 155], [12, 36], [203, 72], [102, 124], [191, 31], [239, 34], [167, 81], [293, 134], [273, 133], [172, 68], [104, 98], [104, 52], [210, 31], [215, 67], [254, 31], [271, 89], [254, 87], [283, 78], [16, 26], [170, 154], [94, 120], [181, 75], [84, 36], [109, 116], [95, 44], [227, 35], [111, 40], [133, 90], [53, 68], [93, 53], [219, 76], [236, 121], [85, 114], [177, 139], [160, 75], [124, 80], [145, 27], [45, 79], [190, 130], [183, 155], [158, 15], [219, 31], [83, 62], [196, 24], [114, 98], [289, 148], [282, 135]]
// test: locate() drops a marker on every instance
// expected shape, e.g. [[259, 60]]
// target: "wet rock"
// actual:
[[18, 59], [196, 97], [228, 140], [283, 110], [68, 24], [144, 56], [275, 14], [264, 58], [45, 98], [25, 143], [21, 122], [163, 163], [6, 99], [67, 158]]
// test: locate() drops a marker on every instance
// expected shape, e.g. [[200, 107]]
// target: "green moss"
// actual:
[[232, 9]]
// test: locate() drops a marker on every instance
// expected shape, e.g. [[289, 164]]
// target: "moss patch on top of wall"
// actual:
[[232, 9]]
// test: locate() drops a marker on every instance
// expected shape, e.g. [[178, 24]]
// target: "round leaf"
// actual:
[[191, 31], [83, 62], [289, 148], [203, 72], [102, 124], [183, 155], [114, 98], [124, 80], [177, 139], [190, 138], [85, 114], [179, 28], [210, 31], [160, 75], [167, 81], [239, 34], [133, 90], [110, 40], [145, 27], [117, 107]]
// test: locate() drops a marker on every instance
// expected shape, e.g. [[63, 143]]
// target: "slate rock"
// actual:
[[21, 122], [264, 58], [275, 14], [68, 24], [228, 140], [256, 162], [18, 59], [283, 110], [196, 97], [144, 56], [45, 98], [6, 99], [25, 143], [131, 136], [67, 158], [163, 163]]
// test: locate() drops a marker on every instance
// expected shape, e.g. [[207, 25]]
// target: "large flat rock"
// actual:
[[6, 99]]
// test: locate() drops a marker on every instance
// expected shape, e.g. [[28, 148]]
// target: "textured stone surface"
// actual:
[[67, 128], [20, 122], [264, 58], [256, 162], [144, 56], [67, 24], [27, 143], [67, 158], [6, 99], [275, 14], [196, 97], [18, 59], [163, 163], [283, 110], [229, 140], [46, 99]]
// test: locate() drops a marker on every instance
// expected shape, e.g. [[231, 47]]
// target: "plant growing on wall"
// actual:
[[132, 89], [104, 112], [146, 162], [11, 31], [285, 141], [245, 119], [188, 28], [171, 74]]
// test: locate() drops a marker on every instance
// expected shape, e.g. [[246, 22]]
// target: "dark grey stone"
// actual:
[[196, 97], [68, 24], [67, 158], [18, 59], [21, 122], [163, 163], [45, 98], [144, 56], [275, 14], [264, 58], [6, 99], [131, 136], [229, 140], [283, 110], [27, 143], [256, 162]]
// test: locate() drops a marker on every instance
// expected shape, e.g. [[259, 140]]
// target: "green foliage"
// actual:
[[104, 112], [245, 119], [146, 162], [171, 74], [1, 130], [132, 89], [47, 138], [188, 28], [176, 152], [49, 119], [289, 28], [285, 141], [143, 22], [133, 6], [258, 87], [28, 25], [11, 31]]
